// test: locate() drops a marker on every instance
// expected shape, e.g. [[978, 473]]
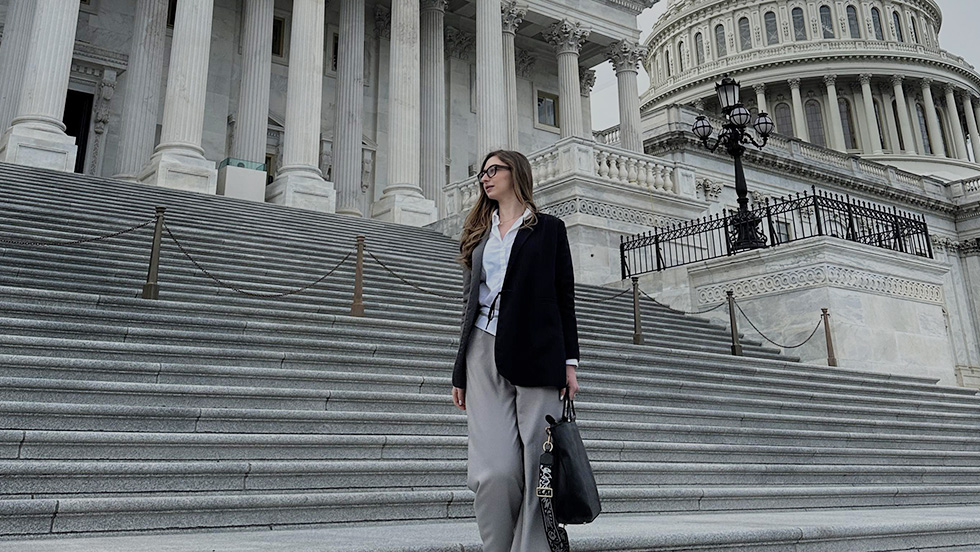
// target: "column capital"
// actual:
[[897, 80], [948, 88], [794, 84], [426, 5], [926, 83], [625, 55], [512, 15], [865, 79], [587, 78], [459, 43], [830, 80], [567, 36], [759, 88]]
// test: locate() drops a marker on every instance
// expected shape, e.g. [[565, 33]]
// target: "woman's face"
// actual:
[[496, 179]]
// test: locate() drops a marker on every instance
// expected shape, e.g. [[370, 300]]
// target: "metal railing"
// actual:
[[784, 220]]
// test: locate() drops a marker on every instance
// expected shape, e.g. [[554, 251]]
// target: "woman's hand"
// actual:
[[459, 398], [571, 381]]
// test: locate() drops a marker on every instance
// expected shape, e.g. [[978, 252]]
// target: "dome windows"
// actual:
[[744, 34], [814, 122], [783, 116], [720, 46], [826, 22], [876, 24], [699, 48], [772, 29], [680, 56], [852, 23], [799, 24], [847, 123]]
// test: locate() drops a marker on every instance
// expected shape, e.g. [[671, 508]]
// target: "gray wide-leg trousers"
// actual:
[[506, 430]]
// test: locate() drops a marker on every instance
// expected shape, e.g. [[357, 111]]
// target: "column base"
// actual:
[[242, 183], [302, 189], [180, 171], [33, 147], [405, 208]]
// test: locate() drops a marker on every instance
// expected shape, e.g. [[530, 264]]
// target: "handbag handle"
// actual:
[[568, 409]]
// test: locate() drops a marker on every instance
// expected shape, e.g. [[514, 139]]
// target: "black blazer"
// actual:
[[536, 328]]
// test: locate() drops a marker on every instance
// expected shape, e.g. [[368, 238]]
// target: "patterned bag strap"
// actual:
[[557, 537]]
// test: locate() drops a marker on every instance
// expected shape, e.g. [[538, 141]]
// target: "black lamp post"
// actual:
[[734, 134]]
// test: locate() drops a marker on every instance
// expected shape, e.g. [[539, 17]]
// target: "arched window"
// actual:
[[680, 56], [853, 25], [699, 48], [744, 34], [847, 122], [899, 35], [783, 117], [667, 62], [913, 31], [772, 29], [799, 24], [826, 22], [814, 122], [921, 113], [876, 23], [720, 41]]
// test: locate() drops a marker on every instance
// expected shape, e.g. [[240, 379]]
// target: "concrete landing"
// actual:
[[864, 530]]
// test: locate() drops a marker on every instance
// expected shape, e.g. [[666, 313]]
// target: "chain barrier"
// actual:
[[406, 282], [668, 307], [32, 244], [604, 299], [251, 293], [805, 341]]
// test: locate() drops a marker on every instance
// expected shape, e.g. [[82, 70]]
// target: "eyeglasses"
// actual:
[[491, 171]]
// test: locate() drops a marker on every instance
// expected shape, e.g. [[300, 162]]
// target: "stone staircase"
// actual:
[[209, 409]]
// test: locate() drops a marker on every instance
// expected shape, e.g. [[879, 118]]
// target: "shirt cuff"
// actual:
[[572, 361]]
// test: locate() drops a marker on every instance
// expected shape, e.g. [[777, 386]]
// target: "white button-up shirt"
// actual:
[[496, 255]]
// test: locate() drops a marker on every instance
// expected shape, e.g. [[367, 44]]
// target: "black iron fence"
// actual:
[[791, 218]]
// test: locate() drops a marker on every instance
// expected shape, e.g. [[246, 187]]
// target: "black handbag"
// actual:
[[566, 485]]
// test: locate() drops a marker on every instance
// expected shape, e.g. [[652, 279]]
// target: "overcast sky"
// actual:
[[960, 22]]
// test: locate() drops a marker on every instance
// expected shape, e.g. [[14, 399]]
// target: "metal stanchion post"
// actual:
[[637, 327], [736, 345], [151, 289], [357, 307], [831, 357]]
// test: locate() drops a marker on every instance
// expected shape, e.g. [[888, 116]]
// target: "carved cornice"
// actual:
[[710, 189], [567, 36], [625, 55], [459, 44], [608, 211], [512, 15]]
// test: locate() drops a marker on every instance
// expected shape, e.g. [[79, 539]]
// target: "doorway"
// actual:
[[78, 116]]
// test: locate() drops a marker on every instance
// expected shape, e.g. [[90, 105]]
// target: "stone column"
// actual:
[[13, 50], [903, 114], [870, 115], [511, 18], [299, 182], [956, 128], [242, 174], [625, 56], [586, 84], [137, 130], [568, 37], [932, 120], [833, 107], [37, 135], [403, 201], [760, 97], [799, 117], [971, 123], [491, 111], [347, 149], [178, 161]]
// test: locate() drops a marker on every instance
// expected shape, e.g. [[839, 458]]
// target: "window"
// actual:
[[772, 29], [847, 122], [814, 122], [699, 48], [799, 24], [680, 56], [784, 119], [826, 22], [921, 113], [548, 112], [852, 22], [899, 36], [720, 48], [782, 231], [744, 34], [667, 61], [279, 36], [913, 31], [876, 23]]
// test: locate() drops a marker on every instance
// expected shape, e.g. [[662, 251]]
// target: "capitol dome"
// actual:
[[867, 78]]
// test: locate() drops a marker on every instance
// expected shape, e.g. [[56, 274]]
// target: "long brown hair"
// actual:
[[480, 217]]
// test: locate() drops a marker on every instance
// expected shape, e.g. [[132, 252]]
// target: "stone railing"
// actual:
[[966, 190], [625, 167], [610, 136]]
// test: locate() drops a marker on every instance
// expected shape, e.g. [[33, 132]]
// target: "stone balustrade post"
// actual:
[[625, 56], [568, 37]]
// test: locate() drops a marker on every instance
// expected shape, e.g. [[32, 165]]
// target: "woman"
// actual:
[[518, 350]]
